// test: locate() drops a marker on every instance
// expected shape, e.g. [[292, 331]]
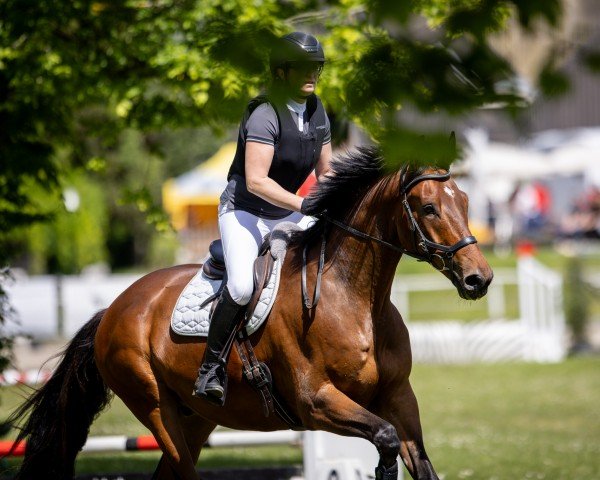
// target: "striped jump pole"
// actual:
[[325, 455], [122, 443]]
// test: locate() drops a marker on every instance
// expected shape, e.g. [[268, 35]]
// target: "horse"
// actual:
[[342, 366]]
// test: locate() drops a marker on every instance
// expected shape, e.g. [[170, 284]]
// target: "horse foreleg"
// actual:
[[399, 406], [330, 410]]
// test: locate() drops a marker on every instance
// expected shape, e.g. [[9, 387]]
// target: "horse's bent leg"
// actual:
[[331, 410], [399, 406]]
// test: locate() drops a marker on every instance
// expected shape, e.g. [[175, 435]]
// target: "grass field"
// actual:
[[489, 422]]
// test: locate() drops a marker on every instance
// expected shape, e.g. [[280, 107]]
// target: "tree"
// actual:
[[89, 69]]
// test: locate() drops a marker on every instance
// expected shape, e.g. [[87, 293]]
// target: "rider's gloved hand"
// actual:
[[307, 208]]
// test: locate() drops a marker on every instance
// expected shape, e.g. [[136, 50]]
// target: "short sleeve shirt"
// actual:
[[262, 125]]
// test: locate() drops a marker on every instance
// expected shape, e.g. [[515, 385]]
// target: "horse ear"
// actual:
[[452, 140]]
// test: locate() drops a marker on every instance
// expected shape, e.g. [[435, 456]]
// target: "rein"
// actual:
[[438, 255]]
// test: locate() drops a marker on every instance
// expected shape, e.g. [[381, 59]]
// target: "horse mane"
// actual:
[[352, 176]]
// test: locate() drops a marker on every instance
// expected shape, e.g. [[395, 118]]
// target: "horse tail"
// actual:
[[62, 410]]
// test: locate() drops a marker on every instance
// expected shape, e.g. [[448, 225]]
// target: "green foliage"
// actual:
[[552, 82], [73, 239], [6, 314], [78, 77], [591, 58], [578, 295]]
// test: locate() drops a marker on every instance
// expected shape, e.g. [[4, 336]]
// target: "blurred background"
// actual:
[[118, 123]]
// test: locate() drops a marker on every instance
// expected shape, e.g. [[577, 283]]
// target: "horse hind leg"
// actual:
[[156, 407], [196, 431]]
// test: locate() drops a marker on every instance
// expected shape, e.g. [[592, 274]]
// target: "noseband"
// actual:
[[438, 255]]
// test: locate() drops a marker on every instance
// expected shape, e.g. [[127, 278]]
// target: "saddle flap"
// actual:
[[212, 270], [263, 267]]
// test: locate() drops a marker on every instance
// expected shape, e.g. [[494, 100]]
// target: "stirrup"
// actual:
[[212, 385]]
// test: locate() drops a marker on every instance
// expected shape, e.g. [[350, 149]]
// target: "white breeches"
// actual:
[[242, 235]]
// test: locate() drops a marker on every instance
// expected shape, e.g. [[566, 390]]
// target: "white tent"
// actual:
[[567, 161]]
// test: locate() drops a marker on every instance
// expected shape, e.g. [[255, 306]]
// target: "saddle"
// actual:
[[214, 268], [256, 373]]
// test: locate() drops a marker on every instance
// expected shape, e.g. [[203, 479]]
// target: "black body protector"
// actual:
[[296, 154]]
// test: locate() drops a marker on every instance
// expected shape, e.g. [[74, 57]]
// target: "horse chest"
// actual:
[[352, 368]]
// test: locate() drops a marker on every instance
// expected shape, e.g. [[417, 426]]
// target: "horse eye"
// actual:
[[429, 209]]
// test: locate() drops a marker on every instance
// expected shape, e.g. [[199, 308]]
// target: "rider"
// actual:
[[283, 136]]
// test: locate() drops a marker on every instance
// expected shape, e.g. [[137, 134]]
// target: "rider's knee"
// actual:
[[240, 292]]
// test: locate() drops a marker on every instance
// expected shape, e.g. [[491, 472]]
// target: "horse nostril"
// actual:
[[476, 282]]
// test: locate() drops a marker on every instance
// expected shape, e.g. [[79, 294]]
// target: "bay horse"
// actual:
[[341, 367]]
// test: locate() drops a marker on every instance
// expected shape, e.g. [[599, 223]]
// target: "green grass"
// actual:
[[512, 421], [447, 305], [481, 422]]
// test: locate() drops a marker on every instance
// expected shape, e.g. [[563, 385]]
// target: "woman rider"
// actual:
[[283, 136]]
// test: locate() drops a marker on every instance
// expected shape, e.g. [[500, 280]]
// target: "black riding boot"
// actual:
[[212, 375]]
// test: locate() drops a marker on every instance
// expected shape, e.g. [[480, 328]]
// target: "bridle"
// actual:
[[438, 255], [431, 251]]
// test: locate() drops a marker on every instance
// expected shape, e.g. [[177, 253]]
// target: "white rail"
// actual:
[[537, 335]]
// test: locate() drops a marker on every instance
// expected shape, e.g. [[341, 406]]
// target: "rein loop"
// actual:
[[438, 255]]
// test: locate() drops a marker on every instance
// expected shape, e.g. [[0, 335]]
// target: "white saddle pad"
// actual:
[[191, 320]]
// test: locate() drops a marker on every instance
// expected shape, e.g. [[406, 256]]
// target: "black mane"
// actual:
[[352, 175]]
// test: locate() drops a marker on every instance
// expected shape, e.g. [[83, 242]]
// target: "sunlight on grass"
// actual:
[[482, 422]]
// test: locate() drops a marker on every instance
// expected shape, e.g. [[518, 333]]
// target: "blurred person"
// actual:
[[584, 219], [532, 204], [284, 135]]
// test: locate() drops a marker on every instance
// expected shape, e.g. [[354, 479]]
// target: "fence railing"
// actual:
[[537, 332]]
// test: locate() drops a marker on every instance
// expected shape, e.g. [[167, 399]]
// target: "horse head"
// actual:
[[434, 228]]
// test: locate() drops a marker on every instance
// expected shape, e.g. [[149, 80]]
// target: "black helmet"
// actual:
[[296, 47]]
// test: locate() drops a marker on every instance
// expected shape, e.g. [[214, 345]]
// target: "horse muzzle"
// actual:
[[474, 285]]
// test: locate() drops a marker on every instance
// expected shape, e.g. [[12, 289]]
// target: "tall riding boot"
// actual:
[[212, 375]]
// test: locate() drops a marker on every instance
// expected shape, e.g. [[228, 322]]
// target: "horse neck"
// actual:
[[368, 267]]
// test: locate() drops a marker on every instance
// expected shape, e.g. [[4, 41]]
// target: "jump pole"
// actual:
[[326, 456]]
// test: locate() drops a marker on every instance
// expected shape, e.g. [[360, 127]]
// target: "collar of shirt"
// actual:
[[298, 109]]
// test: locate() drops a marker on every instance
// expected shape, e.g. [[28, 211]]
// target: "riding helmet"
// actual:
[[296, 47]]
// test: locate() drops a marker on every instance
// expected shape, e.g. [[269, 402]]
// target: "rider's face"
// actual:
[[302, 78]]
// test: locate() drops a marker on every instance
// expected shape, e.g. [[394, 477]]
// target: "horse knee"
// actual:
[[388, 443]]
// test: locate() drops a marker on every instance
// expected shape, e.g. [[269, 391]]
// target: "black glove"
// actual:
[[304, 207]]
